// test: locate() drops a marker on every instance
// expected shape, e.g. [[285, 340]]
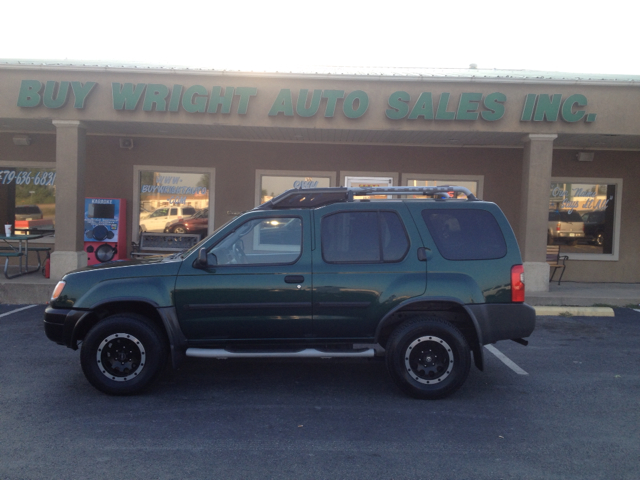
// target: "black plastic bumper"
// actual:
[[54, 319], [504, 321]]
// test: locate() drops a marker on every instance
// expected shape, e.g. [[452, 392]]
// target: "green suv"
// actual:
[[418, 277]]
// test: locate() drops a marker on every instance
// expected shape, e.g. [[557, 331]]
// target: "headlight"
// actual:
[[58, 290]]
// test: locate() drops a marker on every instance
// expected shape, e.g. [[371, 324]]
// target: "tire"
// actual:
[[141, 346], [428, 358], [179, 229]]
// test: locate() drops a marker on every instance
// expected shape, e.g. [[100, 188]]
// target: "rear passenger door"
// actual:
[[364, 264]]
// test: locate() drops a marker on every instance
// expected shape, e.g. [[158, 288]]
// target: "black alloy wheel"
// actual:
[[428, 358], [123, 354]]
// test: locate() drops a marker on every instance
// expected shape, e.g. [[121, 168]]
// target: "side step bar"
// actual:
[[306, 353]]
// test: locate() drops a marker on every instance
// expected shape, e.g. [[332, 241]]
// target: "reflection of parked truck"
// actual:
[[594, 227], [565, 227], [28, 212]]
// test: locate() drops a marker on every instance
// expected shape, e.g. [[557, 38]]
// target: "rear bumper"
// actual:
[[570, 235], [503, 321]]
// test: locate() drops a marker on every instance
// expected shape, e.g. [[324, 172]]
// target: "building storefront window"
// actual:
[[583, 217], [271, 183], [29, 194], [473, 182], [173, 201], [367, 182]]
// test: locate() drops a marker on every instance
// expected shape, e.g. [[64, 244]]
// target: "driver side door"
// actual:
[[256, 285]]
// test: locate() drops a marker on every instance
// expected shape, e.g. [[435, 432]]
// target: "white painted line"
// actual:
[[637, 310], [17, 310], [506, 360]]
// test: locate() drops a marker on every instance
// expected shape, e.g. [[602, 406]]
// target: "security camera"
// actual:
[[126, 143]]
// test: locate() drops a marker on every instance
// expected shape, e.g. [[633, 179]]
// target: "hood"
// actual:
[[86, 286]]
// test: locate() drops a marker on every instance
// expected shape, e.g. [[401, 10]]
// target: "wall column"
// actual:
[[69, 251], [534, 210]]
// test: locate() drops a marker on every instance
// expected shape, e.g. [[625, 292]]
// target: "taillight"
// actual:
[[558, 227], [517, 283]]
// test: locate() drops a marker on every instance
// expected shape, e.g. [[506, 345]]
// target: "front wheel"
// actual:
[[179, 229], [123, 354], [428, 358]]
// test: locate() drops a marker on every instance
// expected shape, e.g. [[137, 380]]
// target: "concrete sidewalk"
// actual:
[[587, 295], [34, 288], [27, 289]]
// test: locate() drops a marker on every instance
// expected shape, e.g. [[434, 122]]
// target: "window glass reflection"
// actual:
[[581, 217]]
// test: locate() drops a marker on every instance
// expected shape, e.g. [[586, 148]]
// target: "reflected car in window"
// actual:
[[594, 227], [565, 227], [157, 221], [28, 212], [197, 224]]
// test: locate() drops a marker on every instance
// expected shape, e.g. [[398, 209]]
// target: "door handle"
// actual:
[[424, 254], [294, 279]]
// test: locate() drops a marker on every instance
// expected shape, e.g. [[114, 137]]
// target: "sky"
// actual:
[[285, 35]]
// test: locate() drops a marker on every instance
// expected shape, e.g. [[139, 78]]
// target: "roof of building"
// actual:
[[418, 73]]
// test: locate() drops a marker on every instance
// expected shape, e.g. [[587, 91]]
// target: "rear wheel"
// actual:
[[599, 240], [123, 354], [428, 358]]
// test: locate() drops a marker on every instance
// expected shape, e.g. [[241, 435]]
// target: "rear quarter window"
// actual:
[[461, 234], [364, 237]]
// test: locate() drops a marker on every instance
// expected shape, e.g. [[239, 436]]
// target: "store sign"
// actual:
[[175, 189], [578, 198], [306, 103]]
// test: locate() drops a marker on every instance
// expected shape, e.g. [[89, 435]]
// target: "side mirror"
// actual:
[[204, 260]]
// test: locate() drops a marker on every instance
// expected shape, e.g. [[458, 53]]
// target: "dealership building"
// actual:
[[550, 149]]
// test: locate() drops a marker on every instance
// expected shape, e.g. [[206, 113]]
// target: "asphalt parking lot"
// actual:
[[571, 412]]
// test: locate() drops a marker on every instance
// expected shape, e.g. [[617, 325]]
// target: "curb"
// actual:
[[575, 311]]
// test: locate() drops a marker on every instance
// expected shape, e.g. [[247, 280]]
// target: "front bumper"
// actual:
[[54, 319], [60, 325]]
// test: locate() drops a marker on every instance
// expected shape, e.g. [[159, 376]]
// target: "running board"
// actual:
[[307, 353]]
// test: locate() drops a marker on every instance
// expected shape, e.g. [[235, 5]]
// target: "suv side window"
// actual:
[[363, 237], [261, 241], [465, 234], [161, 212]]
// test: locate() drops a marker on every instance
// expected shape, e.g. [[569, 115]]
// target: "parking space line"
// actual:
[[506, 360], [17, 310]]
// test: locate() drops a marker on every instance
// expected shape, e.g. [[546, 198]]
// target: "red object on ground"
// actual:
[[46, 270]]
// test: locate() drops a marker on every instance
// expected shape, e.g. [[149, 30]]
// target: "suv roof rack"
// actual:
[[319, 197]]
